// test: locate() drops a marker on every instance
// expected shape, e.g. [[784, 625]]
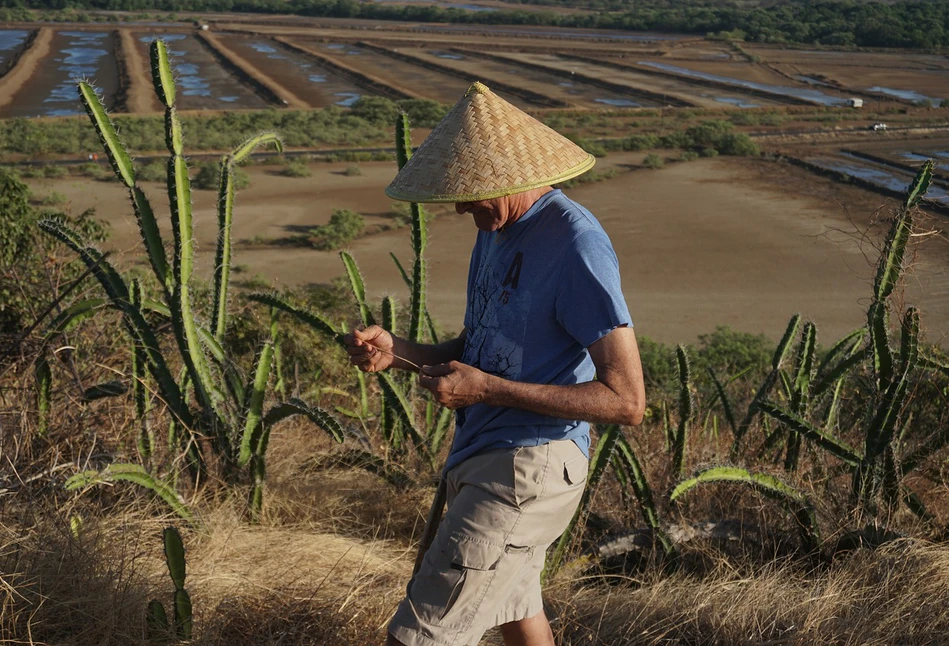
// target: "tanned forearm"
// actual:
[[593, 401]]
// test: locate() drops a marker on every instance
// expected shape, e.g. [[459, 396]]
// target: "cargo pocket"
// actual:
[[473, 564], [575, 470]]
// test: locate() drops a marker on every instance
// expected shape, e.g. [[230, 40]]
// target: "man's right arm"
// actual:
[[373, 349]]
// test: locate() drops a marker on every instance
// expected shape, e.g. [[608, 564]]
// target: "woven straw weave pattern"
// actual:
[[486, 148]]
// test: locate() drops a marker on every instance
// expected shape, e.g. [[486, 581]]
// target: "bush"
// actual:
[[153, 171], [344, 227], [208, 177], [688, 155], [55, 172], [296, 169], [737, 144], [352, 171], [376, 109], [708, 152], [653, 161], [53, 199], [641, 142]]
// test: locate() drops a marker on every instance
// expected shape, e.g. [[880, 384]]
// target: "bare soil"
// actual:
[[14, 80], [713, 242], [141, 95]]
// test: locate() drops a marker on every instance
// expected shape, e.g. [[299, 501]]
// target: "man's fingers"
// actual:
[[439, 370]]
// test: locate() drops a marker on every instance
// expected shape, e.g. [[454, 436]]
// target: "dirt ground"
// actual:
[[712, 242], [16, 78]]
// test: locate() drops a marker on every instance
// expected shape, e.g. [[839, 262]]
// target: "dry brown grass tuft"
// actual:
[[894, 595]]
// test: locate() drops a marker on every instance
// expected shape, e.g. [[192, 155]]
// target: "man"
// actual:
[[547, 346]]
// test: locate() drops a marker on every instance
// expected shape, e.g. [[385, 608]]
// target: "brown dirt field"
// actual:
[[713, 242], [141, 94], [266, 79], [14, 80]]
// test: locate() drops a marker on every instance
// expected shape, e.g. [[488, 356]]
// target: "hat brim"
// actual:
[[407, 196]]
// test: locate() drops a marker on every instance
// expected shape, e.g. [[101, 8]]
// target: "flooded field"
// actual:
[[423, 80], [73, 55], [880, 173], [803, 94], [202, 82], [11, 41], [315, 84], [573, 92], [630, 77]]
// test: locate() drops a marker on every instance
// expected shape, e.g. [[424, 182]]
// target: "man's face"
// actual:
[[489, 215]]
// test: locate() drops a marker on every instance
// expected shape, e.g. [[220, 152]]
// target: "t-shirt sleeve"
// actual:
[[590, 303]]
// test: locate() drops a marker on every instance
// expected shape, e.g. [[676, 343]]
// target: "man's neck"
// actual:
[[521, 203]]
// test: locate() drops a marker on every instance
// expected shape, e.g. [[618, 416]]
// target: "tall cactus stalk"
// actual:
[[146, 436], [801, 391], [686, 410], [403, 142]]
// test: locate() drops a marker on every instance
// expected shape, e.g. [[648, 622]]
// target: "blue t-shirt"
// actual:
[[540, 292]]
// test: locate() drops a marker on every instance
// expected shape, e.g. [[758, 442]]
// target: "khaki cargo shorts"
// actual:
[[505, 508]]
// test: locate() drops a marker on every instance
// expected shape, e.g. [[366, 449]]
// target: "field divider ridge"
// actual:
[[527, 95], [249, 75], [688, 80], [25, 64], [363, 80], [618, 88]]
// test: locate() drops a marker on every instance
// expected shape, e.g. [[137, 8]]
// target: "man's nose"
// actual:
[[462, 207]]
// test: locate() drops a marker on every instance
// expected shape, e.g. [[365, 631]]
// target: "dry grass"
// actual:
[[892, 595]]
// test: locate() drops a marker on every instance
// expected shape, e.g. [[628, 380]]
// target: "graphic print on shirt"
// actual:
[[499, 312]]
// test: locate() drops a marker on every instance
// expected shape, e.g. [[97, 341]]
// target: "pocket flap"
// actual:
[[470, 553], [575, 469]]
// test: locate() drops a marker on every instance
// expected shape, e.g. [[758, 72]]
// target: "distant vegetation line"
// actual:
[[908, 24]]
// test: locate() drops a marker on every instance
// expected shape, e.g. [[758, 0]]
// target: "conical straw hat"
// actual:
[[486, 148]]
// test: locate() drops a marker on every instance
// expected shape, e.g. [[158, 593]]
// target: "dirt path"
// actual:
[[289, 98], [141, 98], [14, 80]]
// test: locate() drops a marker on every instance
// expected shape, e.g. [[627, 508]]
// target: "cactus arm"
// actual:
[[920, 184], [135, 322], [440, 430], [175, 556], [299, 407], [73, 315], [249, 145], [686, 410], [389, 314], [312, 319], [358, 287], [136, 474], [184, 620], [255, 405], [846, 345], [768, 485], [119, 158], [805, 428], [146, 439], [397, 399], [222, 257], [162, 76], [403, 140], [777, 360], [726, 403], [419, 273], [44, 381], [123, 168]]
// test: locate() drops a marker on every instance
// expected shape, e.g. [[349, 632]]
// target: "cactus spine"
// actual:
[[403, 141]]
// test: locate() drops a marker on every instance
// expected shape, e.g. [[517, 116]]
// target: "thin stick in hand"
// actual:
[[415, 366]]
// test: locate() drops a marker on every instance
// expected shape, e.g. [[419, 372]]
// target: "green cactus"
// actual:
[[44, 381], [771, 487], [686, 410], [155, 615], [230, 415]]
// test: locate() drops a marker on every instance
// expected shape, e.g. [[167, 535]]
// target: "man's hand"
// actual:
[[369, 349], [455, 384]]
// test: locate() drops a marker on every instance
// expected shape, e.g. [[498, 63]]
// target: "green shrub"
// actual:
[[208, 177], [352, 171], [296, 169], [737, 144], [708, 152], [688, 155], [653, 161], [53, 199], [55, 172], [153, 171], [344, 227], [640, 142]]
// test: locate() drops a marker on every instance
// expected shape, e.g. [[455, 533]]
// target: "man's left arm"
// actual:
[[616, 397]]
